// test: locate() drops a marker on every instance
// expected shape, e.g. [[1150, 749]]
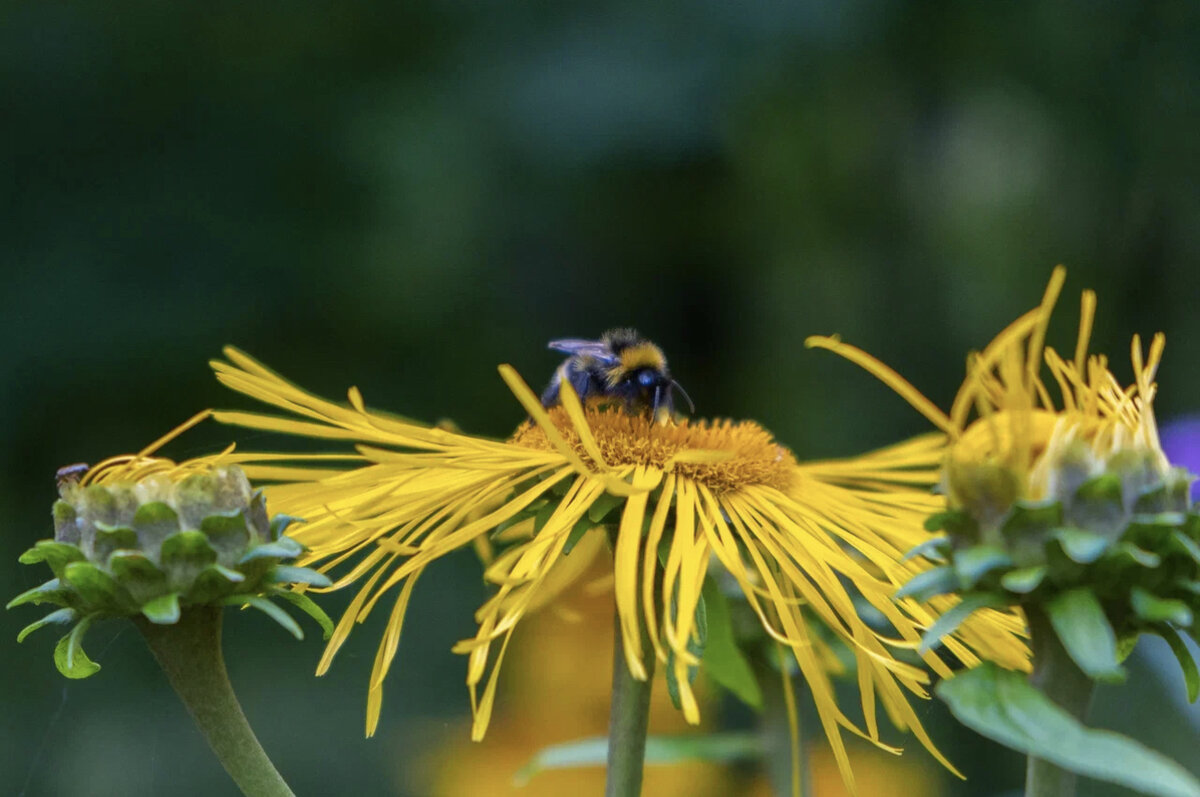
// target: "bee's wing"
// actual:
[[590, 348]]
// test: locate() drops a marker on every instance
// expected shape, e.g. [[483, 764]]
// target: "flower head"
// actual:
[[143, 536], [1071, 506], [802, 540]]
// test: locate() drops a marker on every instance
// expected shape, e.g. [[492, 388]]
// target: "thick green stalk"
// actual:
[[1061, 680], [628, 718], [190, 654]]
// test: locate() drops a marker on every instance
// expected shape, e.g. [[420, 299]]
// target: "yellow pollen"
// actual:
[[755, 458]]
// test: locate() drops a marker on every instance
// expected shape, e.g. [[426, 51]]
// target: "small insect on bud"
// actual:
[[70, 474]]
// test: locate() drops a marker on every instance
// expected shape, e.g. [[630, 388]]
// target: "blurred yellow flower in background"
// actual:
[[800, 539]]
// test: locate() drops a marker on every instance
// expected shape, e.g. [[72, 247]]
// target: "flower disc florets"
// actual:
[[745, 454], [151, 538]]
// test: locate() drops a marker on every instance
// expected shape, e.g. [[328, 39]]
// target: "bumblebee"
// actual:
[[621, 367]]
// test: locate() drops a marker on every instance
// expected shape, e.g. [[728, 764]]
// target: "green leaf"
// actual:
[[1153, 609], [602, 506], [52, 591], [593, 752], [928, 584], [1002, 706], [723, 660], [581, 527], [1085, 632], [57, 555], [270, 610], [1191, 675], [974, 563], [69, 656], [957, 614], [1023, 580], [1080, 546], [542, 517], [309, 607], [695, 646], [288, 574], [163, 610], [59, 616]]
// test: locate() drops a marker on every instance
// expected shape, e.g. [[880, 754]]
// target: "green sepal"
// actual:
[[957, 523], [581, 527], [52, 591], [956, 615], [542, 516], [137, 573], [929, 584], [154, 522], [282, 548], [1126, 645], [279, 525], [1153, 609], [1084, 630], [1028, 517], [1191, 674], [1081, 546], [1105, 487], [1001, 705], [163, 610], [723, 659], [212, 583], [66, 529], [934, 549], [309, 607], [184, 555], [1024, 580], [1124, 553], [98, 590], [695, 646], [57, 616], [270, 610], [289, 574], [972, 564], [256, 516], [56, 555], [110, 539], [1186, 545], [69, 656], [228, 534]]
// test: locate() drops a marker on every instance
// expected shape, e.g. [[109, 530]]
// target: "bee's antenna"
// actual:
[[686, 397]]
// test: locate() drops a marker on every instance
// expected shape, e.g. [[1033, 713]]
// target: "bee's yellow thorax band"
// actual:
[[643, 355]]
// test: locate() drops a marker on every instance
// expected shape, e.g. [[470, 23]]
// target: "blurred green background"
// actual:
[[401, 196]]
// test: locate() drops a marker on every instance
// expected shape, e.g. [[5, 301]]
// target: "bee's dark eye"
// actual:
[[645, 378]]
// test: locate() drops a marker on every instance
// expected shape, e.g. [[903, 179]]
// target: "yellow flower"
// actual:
[[793, 535], [1009, 441]]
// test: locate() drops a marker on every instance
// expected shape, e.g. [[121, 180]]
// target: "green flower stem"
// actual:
[[628, 719], [190, 653], [785, 760], [1061, 680]]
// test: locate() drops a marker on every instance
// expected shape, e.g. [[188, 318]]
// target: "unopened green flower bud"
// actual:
[[178, 536]]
